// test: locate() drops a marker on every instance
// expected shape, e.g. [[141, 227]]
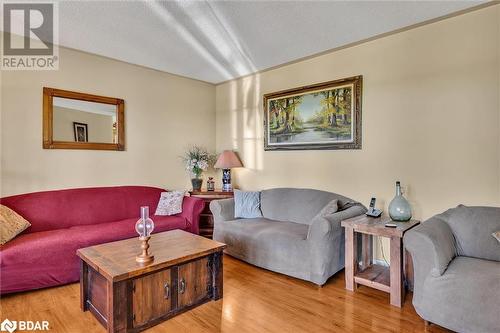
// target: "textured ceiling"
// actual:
[[219, 40]]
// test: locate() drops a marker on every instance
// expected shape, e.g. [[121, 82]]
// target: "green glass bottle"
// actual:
[[399, 208]]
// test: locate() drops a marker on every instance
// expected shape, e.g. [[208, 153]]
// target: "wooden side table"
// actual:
[[206, 218], [388, 279]]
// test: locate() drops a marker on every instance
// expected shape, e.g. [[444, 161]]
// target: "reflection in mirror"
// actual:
[[83, 121], [75, 120]]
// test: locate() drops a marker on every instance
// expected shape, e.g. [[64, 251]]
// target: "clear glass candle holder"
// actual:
[[144, 226]]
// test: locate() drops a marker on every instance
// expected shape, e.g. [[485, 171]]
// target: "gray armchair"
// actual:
[[457, 269], [289, 238]]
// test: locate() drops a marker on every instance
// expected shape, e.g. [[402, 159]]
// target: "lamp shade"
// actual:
[[227, 160]]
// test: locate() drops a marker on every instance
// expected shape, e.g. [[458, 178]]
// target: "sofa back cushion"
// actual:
[[472, 228], [66, 208], [247, 204], [296, 204]]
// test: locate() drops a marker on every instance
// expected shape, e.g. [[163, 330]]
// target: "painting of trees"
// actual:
[[324, 115], [335, 107], [284, 117]]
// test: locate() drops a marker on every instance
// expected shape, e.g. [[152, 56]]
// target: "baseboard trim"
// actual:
[[380, 262]]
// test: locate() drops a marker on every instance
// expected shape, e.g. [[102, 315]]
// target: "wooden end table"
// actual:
[[388, 279], [126, 296], [206, 218]]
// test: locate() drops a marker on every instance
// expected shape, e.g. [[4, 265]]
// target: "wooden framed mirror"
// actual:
[[73, 120]]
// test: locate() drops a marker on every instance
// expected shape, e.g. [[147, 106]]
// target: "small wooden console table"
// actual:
[[206, 218], [388, 279]]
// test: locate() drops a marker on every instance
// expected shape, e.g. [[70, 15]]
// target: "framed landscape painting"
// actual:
[[320, 116]]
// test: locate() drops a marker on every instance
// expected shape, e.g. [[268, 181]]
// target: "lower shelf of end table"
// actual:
[[375, 276]]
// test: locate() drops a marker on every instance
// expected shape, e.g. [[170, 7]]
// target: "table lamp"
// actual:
[[227, 160]]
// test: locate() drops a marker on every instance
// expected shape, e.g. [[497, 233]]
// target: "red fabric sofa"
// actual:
[[63, 221]]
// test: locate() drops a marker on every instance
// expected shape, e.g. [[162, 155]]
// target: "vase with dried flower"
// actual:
[[197, 160]]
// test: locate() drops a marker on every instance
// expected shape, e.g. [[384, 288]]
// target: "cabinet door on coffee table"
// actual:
[[194, 280], [152, 297]]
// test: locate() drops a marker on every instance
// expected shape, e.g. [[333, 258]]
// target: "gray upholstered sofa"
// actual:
[[289, 238], [457, 269]]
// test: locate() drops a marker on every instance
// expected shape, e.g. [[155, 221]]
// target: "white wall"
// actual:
[[163, 114], [430, 118]]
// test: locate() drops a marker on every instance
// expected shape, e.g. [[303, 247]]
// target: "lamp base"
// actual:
[[144, 257], [226, 180]]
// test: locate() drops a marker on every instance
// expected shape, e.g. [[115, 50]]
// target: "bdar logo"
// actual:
[[8, 325]]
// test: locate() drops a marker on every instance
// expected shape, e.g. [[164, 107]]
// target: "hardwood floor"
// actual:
[[255, 300]]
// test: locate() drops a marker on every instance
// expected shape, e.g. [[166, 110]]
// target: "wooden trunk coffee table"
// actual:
[[128, 297]]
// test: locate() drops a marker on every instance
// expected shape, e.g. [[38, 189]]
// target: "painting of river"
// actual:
[[321, 116]]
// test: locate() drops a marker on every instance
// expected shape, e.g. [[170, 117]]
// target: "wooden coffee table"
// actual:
[[127, 297]]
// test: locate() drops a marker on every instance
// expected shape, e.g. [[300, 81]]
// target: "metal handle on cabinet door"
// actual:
[[166, 289], [182, 286]]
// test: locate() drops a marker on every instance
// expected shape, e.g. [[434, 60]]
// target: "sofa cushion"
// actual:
[[466, 296], [472, 228], [11, 224], [276, 245], [262, 228], [247, 204], [41, 248], [170, 203], [296, 205]]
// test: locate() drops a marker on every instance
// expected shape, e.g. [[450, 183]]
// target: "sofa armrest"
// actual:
[[321, 226], [222, 210], [325, 240], [191, 210], [432, 246]]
